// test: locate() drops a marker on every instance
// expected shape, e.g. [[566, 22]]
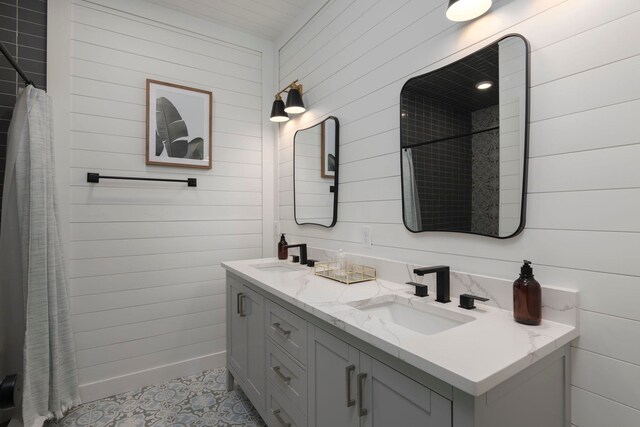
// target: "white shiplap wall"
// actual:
[[583, 228], [147, 290]]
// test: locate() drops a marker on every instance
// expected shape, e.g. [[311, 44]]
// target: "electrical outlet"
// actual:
[[365, 236]]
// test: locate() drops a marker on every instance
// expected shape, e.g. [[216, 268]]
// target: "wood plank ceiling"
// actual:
[[265, 18]]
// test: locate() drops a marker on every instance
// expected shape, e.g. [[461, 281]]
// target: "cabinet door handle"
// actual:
[[347, 376], [241, 298], [280, 375], [361, 410], [276, 413], [238, 296], [278, 328]]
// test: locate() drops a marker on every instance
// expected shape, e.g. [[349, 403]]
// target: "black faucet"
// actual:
[[442, 280], [303, 251]]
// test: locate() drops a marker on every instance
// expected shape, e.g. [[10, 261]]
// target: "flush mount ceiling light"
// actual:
[[294, 104], [466, 10], [484, 85]]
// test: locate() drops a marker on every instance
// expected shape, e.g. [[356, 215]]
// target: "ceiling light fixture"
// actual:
[[466, 10], [484, 85], [294, 104]]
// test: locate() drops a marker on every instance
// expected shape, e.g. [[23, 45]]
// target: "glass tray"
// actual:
[[353, 273]]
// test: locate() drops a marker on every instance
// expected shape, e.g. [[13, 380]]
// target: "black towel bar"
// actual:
[[95, 177]]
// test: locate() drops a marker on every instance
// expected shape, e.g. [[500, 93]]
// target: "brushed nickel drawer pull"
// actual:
[[347, 376], [276, 413], [278, 328], [361, 410], [282, 377]]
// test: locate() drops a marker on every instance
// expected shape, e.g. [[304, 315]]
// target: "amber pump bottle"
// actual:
[[282, 248], [527, 297]]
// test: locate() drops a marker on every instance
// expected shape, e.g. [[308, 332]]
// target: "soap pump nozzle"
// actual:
[[526, 270]]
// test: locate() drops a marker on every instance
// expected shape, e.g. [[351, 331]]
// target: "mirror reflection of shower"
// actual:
[[463, 143]]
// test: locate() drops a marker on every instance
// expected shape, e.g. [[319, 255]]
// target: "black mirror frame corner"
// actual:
[[335, 183], [525, 170]]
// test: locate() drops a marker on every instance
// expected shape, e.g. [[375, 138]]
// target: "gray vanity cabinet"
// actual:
[[300, 371], [246, 339], [348, 387]]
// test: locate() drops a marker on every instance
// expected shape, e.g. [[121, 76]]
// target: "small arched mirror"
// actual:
[[315, 174], [463, 143]]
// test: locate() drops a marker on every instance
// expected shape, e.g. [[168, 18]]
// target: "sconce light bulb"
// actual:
[[295, 110], [466, 10]]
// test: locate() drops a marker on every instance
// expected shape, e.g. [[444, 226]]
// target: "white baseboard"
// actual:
[[158, 374]]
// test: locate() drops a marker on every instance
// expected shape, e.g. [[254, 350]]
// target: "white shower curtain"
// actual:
[[412, 216], [33, 284]]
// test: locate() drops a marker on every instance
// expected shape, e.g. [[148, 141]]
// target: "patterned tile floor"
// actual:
[[197, 400]]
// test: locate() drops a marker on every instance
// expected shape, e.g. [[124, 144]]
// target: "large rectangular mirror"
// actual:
[[464, 143], [315, 174]]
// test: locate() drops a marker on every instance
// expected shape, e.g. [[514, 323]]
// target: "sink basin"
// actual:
[[420, 317], [279, 267]]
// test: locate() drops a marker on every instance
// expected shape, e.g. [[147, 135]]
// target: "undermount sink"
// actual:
[[418, 316], [279, 267]]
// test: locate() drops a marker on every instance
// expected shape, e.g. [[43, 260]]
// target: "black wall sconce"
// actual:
[[466, 10], [294, 103]]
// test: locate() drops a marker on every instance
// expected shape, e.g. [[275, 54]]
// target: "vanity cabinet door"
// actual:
[[246, 339], [237, 326], [391, 398], [255, 374], [333, 370]]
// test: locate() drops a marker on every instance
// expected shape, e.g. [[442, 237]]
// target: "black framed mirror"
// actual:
[[464, 132], [315, 174]]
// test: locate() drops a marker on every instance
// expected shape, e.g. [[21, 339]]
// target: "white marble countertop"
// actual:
[[474, 356]]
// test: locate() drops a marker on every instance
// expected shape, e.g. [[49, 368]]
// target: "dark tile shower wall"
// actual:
[[23, 31], [485, 165], [430, 120], [442, 171]]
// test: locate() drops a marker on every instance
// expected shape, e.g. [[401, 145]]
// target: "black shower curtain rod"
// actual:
[[18, 68]]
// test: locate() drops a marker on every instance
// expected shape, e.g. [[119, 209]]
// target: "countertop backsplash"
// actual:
[[558, 304]]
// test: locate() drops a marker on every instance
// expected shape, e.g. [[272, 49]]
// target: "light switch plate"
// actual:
[[365, 236]]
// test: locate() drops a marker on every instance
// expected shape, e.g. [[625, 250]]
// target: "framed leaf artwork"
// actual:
[[178, 125]]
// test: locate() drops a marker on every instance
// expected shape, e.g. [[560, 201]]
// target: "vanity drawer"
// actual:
[[287, 330], [280, 411], [287, 377]]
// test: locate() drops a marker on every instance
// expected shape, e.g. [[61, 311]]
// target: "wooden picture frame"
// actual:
[[180, 132]]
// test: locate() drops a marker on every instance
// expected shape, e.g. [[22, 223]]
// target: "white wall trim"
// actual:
[[59, 88], [157, 374], [269, 152], [183, 22]]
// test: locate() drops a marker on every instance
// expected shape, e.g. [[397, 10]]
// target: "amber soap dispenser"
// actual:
[[527, 297], [282, 248]]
